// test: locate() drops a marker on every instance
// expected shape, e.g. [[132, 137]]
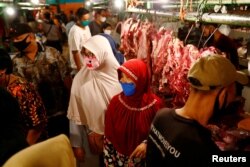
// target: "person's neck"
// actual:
[[31, 52], [79, 25], [199, 107]]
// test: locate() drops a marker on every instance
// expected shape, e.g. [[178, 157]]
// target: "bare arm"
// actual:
[[77, 59], [34, 134]]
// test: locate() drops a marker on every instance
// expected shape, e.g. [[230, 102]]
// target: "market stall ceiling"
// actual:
[[175, 4], [209, 2]]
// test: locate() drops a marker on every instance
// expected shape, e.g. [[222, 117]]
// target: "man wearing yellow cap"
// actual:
[[180, 136]]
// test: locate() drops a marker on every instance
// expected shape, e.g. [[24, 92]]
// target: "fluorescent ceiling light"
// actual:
[[10, 11], [118, 4]]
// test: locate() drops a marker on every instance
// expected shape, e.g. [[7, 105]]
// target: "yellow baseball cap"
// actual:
[[214, 71]]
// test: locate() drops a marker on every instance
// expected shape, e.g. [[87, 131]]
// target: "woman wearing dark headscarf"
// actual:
[[118, 55], [129, 115]]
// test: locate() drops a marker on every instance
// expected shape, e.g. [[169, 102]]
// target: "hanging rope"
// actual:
[[201, 37], [210, 36], [189, 31]]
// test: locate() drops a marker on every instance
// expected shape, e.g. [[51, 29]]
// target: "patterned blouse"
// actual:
[[32, 109], [46, 73]]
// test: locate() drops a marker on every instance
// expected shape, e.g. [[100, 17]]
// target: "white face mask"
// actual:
[[103, 19], [107, 32], [91, 62]]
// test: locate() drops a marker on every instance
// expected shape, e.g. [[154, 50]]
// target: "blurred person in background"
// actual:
[[220, 41], [107, 28], [52, 32], [116, 34], [78, 35], [118, 55], [95, 25], [69, 24]]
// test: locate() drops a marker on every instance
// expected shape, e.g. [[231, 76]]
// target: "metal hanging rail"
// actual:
[[219, 18], [208, 2], [226, 2]]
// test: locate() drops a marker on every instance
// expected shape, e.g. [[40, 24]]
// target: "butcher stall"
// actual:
[[153, 31]]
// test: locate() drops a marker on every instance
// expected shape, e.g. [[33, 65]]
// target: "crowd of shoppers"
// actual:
[[104, 103]]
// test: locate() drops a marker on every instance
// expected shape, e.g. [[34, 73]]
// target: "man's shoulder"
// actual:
[[19, 60], [74, 28], [93, 24], [70, 24], [162, 115], [48, 53], [164, 112]]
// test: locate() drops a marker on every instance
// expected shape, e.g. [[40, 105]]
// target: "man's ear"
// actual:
[[222, 97]]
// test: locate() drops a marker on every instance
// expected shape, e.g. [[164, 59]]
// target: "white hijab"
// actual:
[[93, 89]]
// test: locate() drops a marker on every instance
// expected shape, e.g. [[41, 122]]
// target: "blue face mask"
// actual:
[[128, 88], [85, 23]]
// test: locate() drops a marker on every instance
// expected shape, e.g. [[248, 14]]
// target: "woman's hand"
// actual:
[[79, 153], [140, 151], [95, 142]]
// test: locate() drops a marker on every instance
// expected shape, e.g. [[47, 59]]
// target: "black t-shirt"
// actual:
[[174, 140], [95, 28]]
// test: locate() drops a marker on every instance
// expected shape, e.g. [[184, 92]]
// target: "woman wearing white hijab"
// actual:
[[92, 89]]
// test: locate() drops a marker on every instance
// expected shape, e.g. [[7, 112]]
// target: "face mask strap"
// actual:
[[217, 111], [23, 40], [20, 44]]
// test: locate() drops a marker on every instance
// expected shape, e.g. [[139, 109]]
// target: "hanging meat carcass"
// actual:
[[166, 56], [136, 40], [171, 62], [129, 33]]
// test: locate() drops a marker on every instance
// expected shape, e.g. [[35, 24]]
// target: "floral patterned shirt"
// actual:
[[33, 112]]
